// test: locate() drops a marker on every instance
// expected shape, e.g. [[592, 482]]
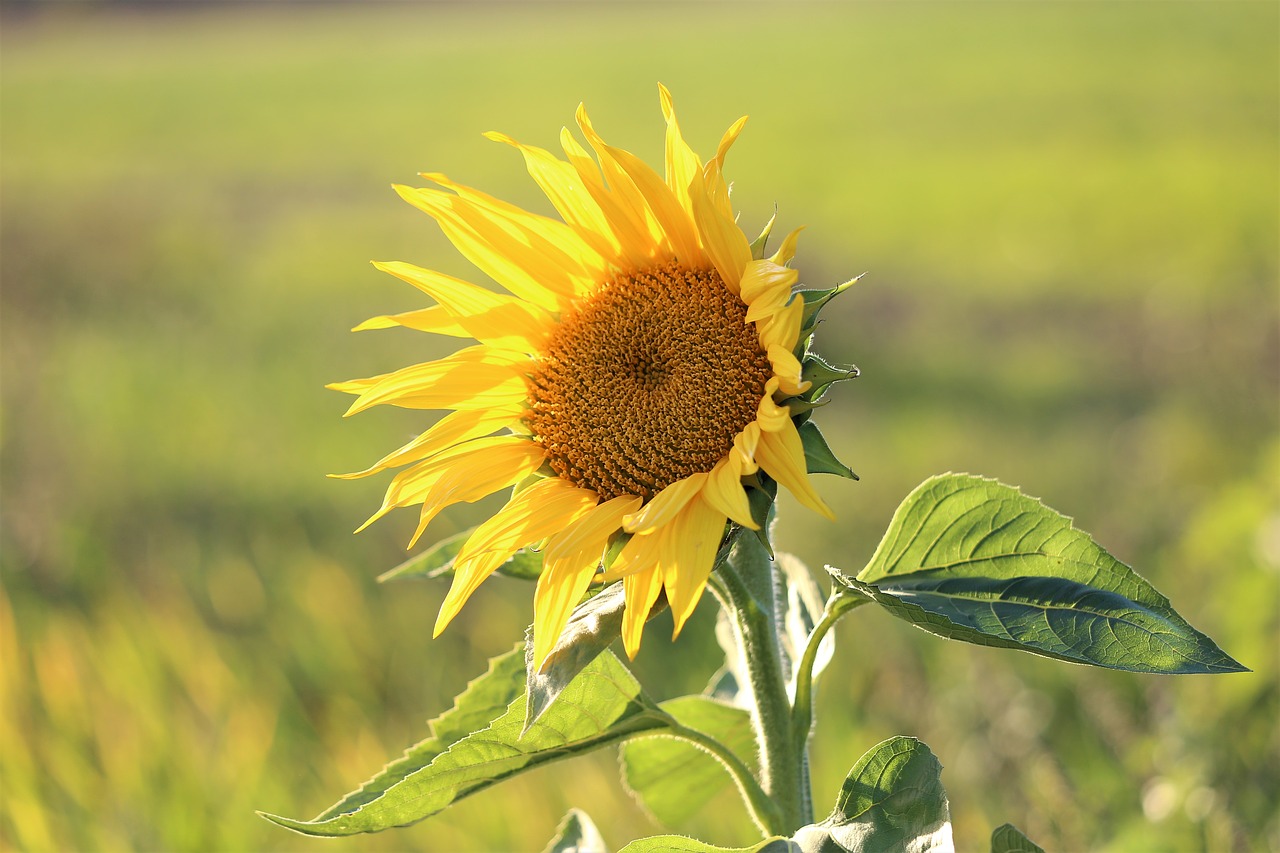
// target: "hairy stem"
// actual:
[[783, 770], [802, 713]]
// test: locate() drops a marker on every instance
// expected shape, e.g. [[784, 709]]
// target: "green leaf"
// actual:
[[681, 844], [817, 453], [603, 706], [673, 779], [576, 834], [484, 699], [892, 800], [437, 561], [1009, 839], [592, 626], [975, 560]]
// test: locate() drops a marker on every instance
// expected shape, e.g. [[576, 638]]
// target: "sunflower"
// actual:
[[631, 378]]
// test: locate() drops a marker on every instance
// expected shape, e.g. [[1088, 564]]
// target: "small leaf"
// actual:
[[681, 844], [576, 834], [437, 561], [603, 706], [1009, 839], [818, 457], [673, 779], [892, 800], [976, 560], [593, 625]]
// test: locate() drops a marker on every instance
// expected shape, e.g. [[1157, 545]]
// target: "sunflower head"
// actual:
[[644, 370]]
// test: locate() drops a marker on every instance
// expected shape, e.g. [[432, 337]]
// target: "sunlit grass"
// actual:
[[1069, 213]]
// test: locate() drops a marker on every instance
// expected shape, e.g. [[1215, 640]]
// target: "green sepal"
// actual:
[[758, 244], [437, 561], [817, 371], [576, 833], [1007, 838], [683, 844], [816, 300], [760, 498], [818, 457]]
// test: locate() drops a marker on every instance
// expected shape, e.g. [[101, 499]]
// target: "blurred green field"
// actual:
[[1069, 213]]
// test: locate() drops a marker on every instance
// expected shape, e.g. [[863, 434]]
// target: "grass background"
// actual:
[[1069, 215]]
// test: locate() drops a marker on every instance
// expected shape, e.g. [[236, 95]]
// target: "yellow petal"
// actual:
[[724, 491], [641, 590], [636, 245], [539, 511], [497, 252], [570, 559], [453, 428], [664, 505], [434, 319], [473, 378], [783, 328], [628, 201], [781, 455], [492, 318], [745, 444], [769, 415], [683, 166], [721, 237], [766, 288], [787, 250], [560, 586], [689, 556], [726, 141], [787, 370], [569, 194]]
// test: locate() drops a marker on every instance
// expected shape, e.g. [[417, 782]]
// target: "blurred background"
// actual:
[[1068, 213]]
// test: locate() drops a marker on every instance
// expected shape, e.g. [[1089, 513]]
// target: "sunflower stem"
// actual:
[[802, 713], [783, 768]]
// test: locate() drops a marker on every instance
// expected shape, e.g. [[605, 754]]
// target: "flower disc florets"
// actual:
[[647, 382]]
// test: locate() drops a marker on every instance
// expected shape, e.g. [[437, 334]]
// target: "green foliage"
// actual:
[[1007, 838], [892, 800], [681, 844], [604, 705], [674, 779], [817, 453], [975, 560], [576, 834]]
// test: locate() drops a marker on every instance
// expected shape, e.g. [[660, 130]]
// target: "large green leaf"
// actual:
[[673, 779], [681, 844], [576, 834], [1007, 838], [975, 560], [438, 560], [603, 706], [484, 699], [892, 800]]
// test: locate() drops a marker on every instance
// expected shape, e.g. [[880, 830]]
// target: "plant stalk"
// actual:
[[763, 810], [802, 713]]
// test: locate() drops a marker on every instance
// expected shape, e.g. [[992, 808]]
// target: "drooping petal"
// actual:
[[641, 590], [787, 370], [492, 318], [688, 557], [542, 510], [473, 378], [569, 561], [724, 491], [783, 328], [781, 455], [453, 428], [665, 505], [770, 417], [745, 444]]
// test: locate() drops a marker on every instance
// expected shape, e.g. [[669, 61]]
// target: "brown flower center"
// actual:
[[647, 382]]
